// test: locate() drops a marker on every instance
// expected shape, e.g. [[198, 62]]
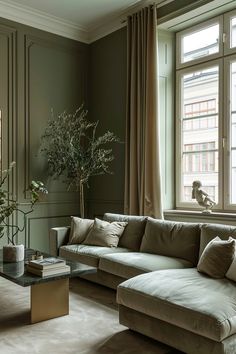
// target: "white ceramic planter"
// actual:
[[13, 253]]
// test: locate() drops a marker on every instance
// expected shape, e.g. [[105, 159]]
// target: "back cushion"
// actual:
[[134, 231], [172, 239], [210, 231]]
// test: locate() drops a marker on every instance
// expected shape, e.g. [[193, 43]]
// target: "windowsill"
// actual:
[[196, 214]]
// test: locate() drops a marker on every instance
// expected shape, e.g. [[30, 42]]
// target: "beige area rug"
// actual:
[[92, 326]]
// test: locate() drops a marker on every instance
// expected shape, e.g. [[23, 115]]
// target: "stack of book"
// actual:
[[48, 266]]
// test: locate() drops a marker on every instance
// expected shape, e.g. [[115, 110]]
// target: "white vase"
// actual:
[[13, 253]]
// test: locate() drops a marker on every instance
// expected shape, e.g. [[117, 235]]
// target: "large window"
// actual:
[[206, 111]]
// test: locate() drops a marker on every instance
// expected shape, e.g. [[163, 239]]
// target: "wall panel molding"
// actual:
[[30, 42], [8, 105], [8, 93], [38, 71]]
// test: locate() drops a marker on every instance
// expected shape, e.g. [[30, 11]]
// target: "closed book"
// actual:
[[47, 263], [47, 272]]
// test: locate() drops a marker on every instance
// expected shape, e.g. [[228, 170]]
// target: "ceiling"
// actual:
[[85, 20], [85, 13]]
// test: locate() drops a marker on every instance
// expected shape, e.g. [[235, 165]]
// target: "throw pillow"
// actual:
[[104, 233], [217, 257], [133, 233], [231, 273], [79, 229]]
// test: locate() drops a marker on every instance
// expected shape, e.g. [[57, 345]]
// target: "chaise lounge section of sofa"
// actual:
[[183, 308]]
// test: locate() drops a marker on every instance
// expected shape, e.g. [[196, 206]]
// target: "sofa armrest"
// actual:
[[58, 236]]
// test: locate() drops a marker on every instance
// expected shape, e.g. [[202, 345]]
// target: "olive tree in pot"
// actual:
[[74, 151], [8, 206]]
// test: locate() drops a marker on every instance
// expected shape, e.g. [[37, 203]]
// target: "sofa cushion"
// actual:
[[217, 257], [134, 231], [136, 263], [172, 239], [79, 229], [87, 254], [210, 231], [104, 233], [185, 298]]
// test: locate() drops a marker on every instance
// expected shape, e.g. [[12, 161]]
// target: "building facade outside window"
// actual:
[[206, 111]]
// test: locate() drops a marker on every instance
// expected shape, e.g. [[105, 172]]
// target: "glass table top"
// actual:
[[17, 273]]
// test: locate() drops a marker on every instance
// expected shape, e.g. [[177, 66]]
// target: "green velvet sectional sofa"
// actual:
[[160, 292]]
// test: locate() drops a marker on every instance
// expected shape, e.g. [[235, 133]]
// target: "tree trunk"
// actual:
[[81, 199]]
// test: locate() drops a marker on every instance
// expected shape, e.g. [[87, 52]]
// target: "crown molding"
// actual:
[[42, 20]]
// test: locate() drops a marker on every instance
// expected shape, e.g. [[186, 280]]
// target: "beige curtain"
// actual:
[[142, 175]]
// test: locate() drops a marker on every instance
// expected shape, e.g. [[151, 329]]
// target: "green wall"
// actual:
[[39, 71], [107, 103]]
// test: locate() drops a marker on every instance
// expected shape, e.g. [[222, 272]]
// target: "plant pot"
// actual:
[[17, 268], [13, 253]]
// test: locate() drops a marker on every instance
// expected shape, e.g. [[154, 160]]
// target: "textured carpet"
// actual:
[[92, 326]]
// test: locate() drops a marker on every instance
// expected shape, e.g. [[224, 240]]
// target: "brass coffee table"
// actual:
[[49, 295]]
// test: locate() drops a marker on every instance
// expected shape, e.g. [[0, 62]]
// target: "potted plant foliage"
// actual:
[[74, 151], [8, 206]]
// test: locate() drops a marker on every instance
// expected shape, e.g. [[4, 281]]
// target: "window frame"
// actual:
[[179, 141]]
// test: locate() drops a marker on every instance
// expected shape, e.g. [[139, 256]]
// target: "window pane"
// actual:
[[200, 131], [200, 44], [233, 32]]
